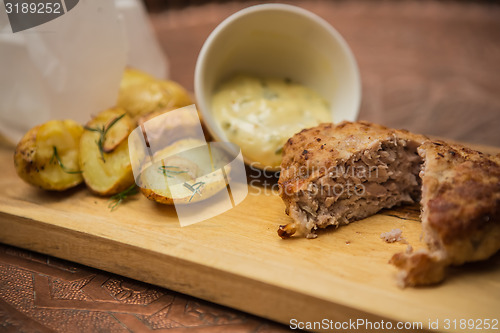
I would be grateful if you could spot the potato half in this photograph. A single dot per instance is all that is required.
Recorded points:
(180, 174)
(104, 157)
(47, 155)
(141, 94)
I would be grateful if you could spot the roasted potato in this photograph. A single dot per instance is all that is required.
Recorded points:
(132, 76)
(182, 173)
(141, 94)
(165, 127)
(162, 129)
(183, 122)
(104, 157)
(47, 156)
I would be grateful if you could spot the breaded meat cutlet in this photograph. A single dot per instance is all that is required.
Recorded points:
(336, 174)
(460, 212)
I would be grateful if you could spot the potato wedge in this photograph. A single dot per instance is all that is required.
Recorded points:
(104, 157)
(117, 133)
(163, 128)
(47, 156)
(141, 94)
(180, 174)
(166, 129)
(190, 191)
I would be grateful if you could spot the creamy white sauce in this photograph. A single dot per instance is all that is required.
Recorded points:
(260, 114)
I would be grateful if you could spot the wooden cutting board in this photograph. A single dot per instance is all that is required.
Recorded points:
(237, 259)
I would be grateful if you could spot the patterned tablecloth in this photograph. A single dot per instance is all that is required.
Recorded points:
(39, 293)
(432, 67)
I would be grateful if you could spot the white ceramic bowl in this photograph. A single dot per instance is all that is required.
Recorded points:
(283, 41)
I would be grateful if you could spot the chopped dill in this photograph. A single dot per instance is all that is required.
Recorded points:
(269, 94)
(118, 198)
(102, 134)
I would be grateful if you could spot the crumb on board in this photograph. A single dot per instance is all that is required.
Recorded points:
(393, 236)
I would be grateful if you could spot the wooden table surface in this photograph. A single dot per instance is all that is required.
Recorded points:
(431, 67)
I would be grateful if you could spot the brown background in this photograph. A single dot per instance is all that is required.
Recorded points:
(432, 67)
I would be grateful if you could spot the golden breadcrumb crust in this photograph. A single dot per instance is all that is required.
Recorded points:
(460, 192)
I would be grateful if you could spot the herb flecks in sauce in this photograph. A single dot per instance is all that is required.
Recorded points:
(260, 114)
